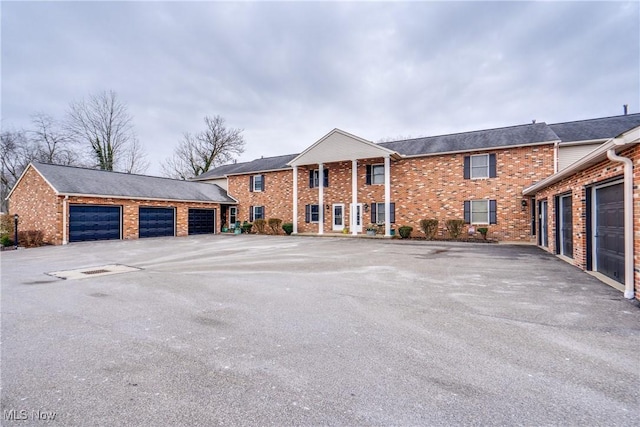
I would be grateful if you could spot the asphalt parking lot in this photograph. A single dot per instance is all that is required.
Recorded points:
(259, 330)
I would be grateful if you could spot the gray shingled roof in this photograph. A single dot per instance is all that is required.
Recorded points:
(602, 128)
(258, 165)
(74, 180)
(476, 140)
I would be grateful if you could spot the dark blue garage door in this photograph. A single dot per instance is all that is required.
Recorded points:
(610, 231)
(202, 221)
(155, 222)
(87, 222)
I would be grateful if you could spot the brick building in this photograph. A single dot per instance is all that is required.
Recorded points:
(550, 184)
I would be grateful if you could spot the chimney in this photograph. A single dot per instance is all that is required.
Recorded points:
(533, 121)
(625, 107)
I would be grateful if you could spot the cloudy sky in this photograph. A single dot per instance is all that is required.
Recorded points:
(289, 72)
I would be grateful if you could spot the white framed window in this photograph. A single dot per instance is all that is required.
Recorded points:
(312, 213)
(258, 212)
(377, 174)
(480, 212)
(378, 214)
(258, 183)
(480, 166)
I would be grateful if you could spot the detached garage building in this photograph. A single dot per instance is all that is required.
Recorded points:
(71, 204)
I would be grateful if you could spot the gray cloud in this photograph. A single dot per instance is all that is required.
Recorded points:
(289, 72)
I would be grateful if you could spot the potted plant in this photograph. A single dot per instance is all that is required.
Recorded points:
(372, 229)
(483, 231)
(345, 230)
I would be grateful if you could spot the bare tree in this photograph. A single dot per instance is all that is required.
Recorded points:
(196, 154)
(135, 159)
(54, 144)
(16, 152)
(104, 124)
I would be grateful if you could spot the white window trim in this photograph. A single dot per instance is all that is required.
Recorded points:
(488, 170)
(311, 220)
(316, 178)
(261, 184)
(488, 219)
(373, 175)
(254, 212)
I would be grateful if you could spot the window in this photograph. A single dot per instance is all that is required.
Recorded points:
(312, 213)
(480, 212)
(480, 166)
(256, 183)
(233, 212)
(378, 213)
(375, 174)
(314, 178)
(256, 212)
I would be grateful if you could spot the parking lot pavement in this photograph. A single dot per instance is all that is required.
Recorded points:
(259, 330)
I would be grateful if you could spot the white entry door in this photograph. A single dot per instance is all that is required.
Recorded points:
(338, 217)
(356, 211)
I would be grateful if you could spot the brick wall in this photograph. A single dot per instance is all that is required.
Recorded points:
(577, 185)
(41, 209)
(424, 187)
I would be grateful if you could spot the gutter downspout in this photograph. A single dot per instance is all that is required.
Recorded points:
(628, 221)
(65, 203)
(556, 156)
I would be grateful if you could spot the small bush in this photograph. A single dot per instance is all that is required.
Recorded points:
(405, 231)
(454, 227)
(260, 224)
(275, 224)
(31, 238)
(429, 227)
(246, 227)
(6, 241)
(6, 225)
(288, 228)
(483, 231)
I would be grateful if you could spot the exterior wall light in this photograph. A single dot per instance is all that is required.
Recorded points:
(366, 207)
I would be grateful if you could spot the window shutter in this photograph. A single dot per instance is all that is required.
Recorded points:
(467, 212)
(492, 166)
(264, 212)
(467, 167)
(326, 177)
(374, 216)
(493, 215)
(251, 183)
(392, 214)
(310, 179)
(263, 184)
(307, 213)
(250, 213)
(368, 174)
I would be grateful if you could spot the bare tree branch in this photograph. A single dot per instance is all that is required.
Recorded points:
(196, 154)
(53, 142)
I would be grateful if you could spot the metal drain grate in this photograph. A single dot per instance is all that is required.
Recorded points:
(95, 271)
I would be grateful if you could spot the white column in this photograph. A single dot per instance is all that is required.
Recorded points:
(295, 200)
(320, 199)
(354, 197)
(65, 228)
(387, 196)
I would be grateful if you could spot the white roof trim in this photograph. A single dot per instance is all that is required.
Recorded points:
(502, 147)
(24, 172)
(599, 154)
(369, 150)
(104, 196)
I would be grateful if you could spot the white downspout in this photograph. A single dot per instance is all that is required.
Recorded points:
(65, 203)
(556, 156)
(628, 221)
(295, 200)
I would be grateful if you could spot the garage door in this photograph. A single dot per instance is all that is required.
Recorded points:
(156, 222)
(88, 222)
(202, 221)
(609, 231)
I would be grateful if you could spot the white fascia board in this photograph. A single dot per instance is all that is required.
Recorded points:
(156, 199)
(257, 171)
(24, 172)
(502, 147)
(375, 148)
(584, 142)
(599, 154)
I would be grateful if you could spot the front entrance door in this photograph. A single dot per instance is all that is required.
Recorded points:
(609, 231)
(338, 217)
(356, 211)
(565, 226)
(543, 236)
(232, 217)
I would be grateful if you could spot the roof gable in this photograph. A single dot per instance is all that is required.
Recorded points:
(338, 146)
(68, 180)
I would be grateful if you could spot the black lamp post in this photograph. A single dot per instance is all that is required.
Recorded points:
(15, 230)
